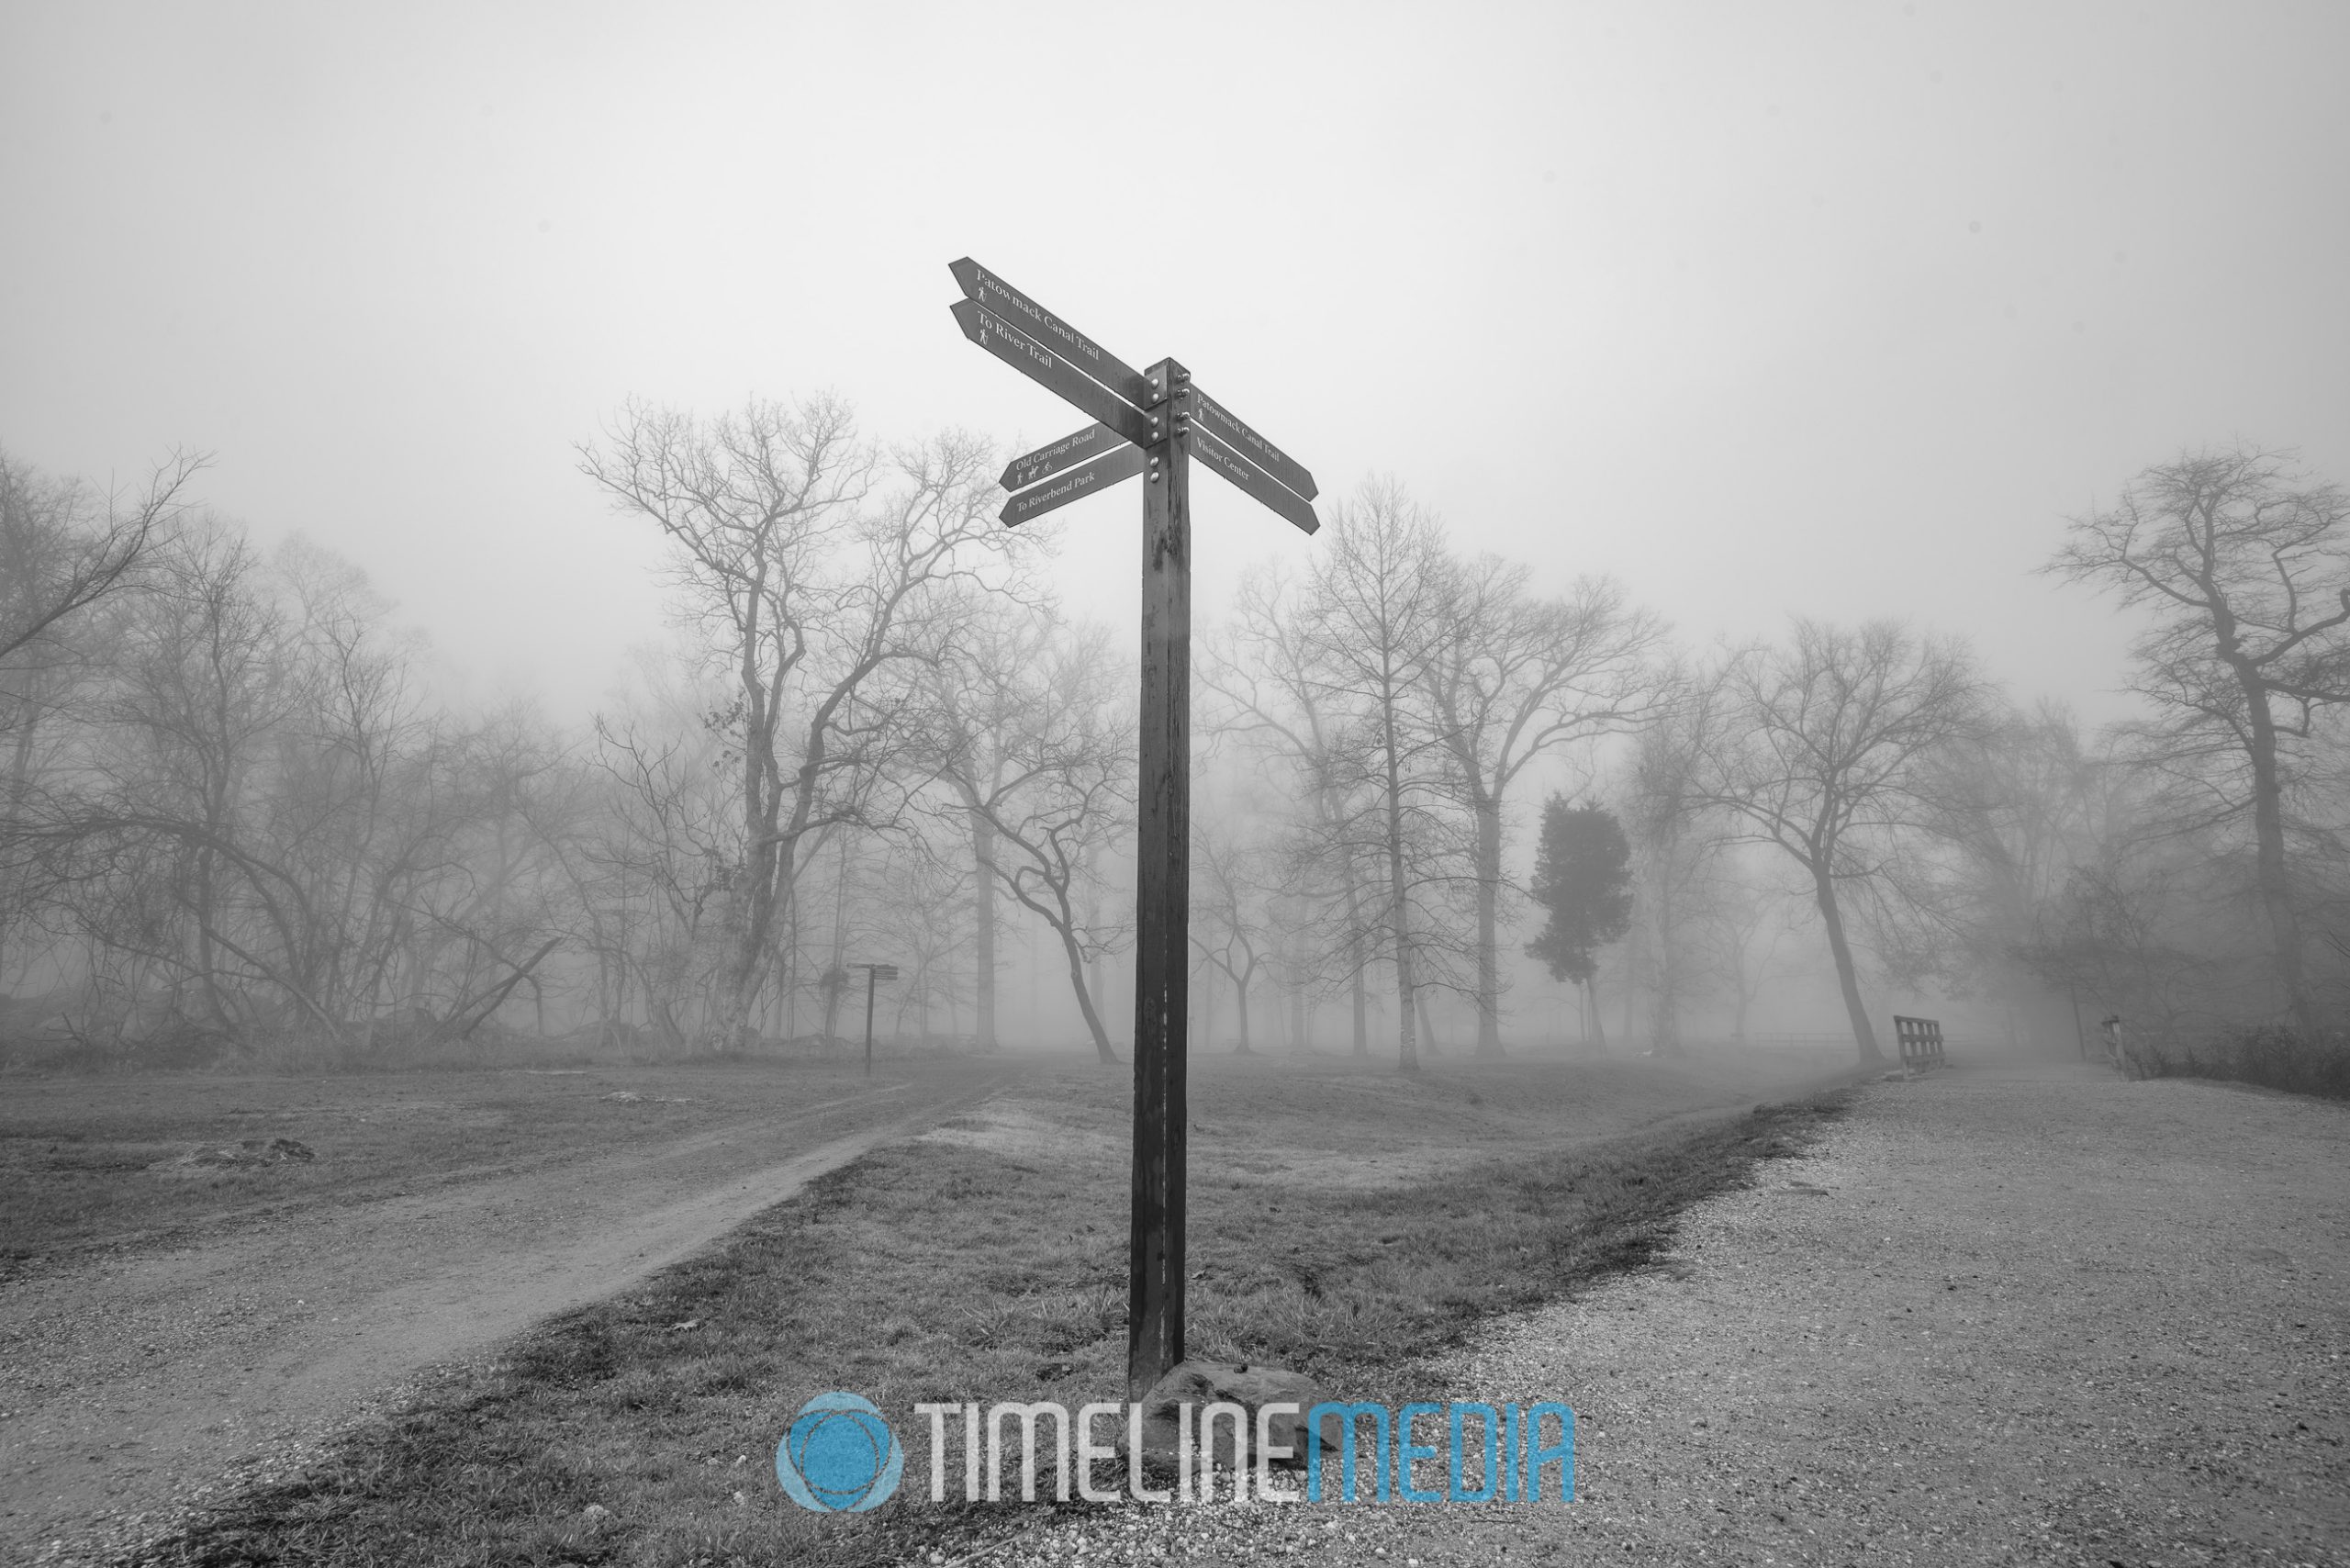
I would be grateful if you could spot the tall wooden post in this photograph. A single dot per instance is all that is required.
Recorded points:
(1162, 893)
(1143, 424)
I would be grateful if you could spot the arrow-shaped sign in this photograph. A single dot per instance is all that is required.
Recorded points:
(1254, 447)
(1078, 483)
(1247, 477)
(1048, 459)
(1051, 372)
(984, 287)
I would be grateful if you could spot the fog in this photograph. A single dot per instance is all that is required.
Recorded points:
(1827, 312)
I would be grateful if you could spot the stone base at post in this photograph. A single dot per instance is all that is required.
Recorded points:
(1246, 1385)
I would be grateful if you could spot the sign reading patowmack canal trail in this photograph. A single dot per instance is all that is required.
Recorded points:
(982, 287)
(1148, 422)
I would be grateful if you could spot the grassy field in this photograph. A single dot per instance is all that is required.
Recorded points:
(97, 1162)
(1344, 1221)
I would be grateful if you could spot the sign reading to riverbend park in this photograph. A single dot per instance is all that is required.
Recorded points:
(1147, 423)
(1062, 488)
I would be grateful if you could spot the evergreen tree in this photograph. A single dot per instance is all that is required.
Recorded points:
(1583, 882)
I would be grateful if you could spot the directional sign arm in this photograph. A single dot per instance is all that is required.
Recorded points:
(985, 288)
(1245, 476)
(1058, 491)
(1249, 445)
(1051, 372)
(1050, 459)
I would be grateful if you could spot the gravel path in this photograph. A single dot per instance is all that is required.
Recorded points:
(2033, 1316)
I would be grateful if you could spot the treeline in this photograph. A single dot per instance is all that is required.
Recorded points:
(236, 815)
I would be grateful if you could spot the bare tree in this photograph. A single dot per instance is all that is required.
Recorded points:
(1516, 678)
(927, 892)
(1231, 915)
(66, 554)
(1674, 869)
(208, 680)
(2018, 808)
(2150, 925)
(811, 570)
(661, 860)
(1820, 745)
(1742, 930)
(1028, 728)
(1264, 670)
(61, 552)
(1373, 624)
(266, 834)
(2245, 567)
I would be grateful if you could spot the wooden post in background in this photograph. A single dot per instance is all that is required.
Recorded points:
(1163, 894)
(872, 980)
(873, 973)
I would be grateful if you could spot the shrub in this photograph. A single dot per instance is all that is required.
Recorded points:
(2273, 1055)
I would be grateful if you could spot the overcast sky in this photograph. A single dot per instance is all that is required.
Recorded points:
(1831, 310)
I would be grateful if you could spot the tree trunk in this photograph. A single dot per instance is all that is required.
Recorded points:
(836, 987)
(208, 962)
(730, 1013)
(1599, 1023)
(1407, 1051)
(1084, 996)
(763, 883)
(20, 787)
(836, 979)
(983, 917)
(1847, 974)
(1427, 1025)
(1407, 1045)
(2276, 887)
(1240, 999)
(1489, 889)
(1665, 1016)
(1356, 989)
(789, 980)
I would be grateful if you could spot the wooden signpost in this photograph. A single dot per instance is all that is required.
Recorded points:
(1150, 422)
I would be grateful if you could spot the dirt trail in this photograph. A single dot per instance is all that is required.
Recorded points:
(134, 1384)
